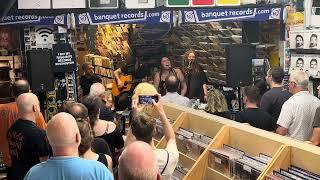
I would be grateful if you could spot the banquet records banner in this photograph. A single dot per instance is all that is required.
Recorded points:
(32, 19)
(134, 16)
(232, 14)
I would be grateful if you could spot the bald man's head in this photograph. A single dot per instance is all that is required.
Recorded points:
(138, 162)
(63, 131)
(19, 87)
(28, 103)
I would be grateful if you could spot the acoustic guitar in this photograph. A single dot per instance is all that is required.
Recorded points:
(127, 81)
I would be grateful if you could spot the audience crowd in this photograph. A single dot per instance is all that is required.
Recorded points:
(83, 141)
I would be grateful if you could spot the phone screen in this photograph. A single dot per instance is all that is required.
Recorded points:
(143, 99)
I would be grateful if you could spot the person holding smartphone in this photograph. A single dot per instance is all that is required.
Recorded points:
(142, 127)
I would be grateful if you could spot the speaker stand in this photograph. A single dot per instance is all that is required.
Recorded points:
(239, 98)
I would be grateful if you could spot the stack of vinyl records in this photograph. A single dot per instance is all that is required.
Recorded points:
(293, 172)
(191, 143)
(236, 163)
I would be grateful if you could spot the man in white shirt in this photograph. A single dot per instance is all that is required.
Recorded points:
(297, 113)
(172, 96)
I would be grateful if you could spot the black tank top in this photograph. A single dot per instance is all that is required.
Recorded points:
(102, 158)
(162, 85)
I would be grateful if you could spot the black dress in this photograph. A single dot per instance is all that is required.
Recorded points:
(102, 158)
(196, 78)
(114, 140)
(99, 145)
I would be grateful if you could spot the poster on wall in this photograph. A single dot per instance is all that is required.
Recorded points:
(312, 39)
(297, 40)
(8, 38)
(228, 2)
(311, 63)
(298, 63)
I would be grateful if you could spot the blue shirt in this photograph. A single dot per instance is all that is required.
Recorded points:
(69, 168)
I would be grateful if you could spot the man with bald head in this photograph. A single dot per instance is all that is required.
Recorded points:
(9, 114)
(138, 162)
(64, 137)
(172, 95)
(28, 144)
(98, 90)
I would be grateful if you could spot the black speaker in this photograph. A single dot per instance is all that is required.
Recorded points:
(239, 64)
(250, 32)
(40, 74)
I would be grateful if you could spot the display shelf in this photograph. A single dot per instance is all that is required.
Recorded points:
(173, 115)
(196, 124)
(306, 157)
(252, 144)
(253, 141)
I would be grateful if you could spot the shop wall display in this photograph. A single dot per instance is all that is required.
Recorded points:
(279, 152)
(298, 62)
(178, 3)
(297, 40)
(311, 63)
(306, 39)
(228, 2)
(196, 3)
(8, 38)
(312, 39)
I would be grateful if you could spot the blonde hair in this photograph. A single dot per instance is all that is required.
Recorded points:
(185, 57)
(148, 90)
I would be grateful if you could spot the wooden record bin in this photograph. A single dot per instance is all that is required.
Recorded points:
(304, 156)
(252, 143)
(172, 114)
(197, 124)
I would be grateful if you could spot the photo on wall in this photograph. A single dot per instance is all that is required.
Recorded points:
(297, 40)
(312, 39)
(298, 62)
(312, 65)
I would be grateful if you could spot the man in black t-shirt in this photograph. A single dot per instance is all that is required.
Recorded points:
(252, 114)
(272, 100)
(88, 78)
(139, 71)
(28, 145)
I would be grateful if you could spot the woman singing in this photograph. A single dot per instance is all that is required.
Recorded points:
(195, 77)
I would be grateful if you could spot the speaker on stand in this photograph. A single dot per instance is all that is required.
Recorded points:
(239, 66)
(40, 74)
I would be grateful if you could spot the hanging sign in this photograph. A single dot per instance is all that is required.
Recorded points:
(64, 58)
(234, 14)
(198, 3)
(132, 16)
(178, 3)
(228, 2)
(32, 19)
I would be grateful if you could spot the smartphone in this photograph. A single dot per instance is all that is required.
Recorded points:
(143, 99)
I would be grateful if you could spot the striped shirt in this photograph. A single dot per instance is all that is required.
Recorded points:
(297, 115)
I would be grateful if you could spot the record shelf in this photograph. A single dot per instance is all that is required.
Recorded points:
(283, 151)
